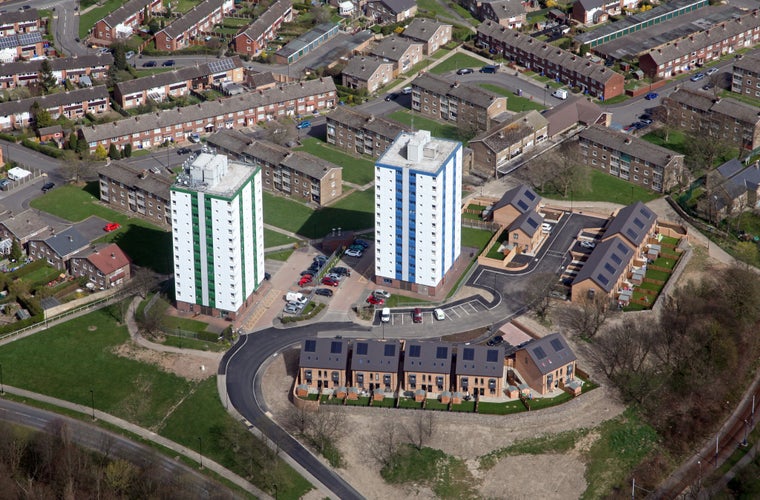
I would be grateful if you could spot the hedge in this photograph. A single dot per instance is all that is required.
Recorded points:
(46, 150)
(21, 324)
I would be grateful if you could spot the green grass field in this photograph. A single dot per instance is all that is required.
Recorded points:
(352, 212)
(89, 18)
(446, 475)
(477, 238)
(281, 255)
(437, 129)
(274, 238)
(604, 187)
(457, 61)
(676, 140)
(356, 170)
(146, 244)
(515, 102)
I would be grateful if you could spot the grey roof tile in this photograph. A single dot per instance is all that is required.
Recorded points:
(628, 144)
(375, 355)
(325, 353)
(550, 353)
(441, 86)
(425, 356)
(480, 361)
(608, 260)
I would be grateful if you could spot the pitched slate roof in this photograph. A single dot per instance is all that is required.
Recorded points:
(514, 130)
(480, 361)
(632, 223)
(329, 353)
(606, 263)
(207, 109)
(375, 355)
(130, 176)
(392, 47)
(179, 75)
(750, 62)
(54, 100)
(67, 242)
(189, 19)
(527, 222)
(57, 64)
(542, 50)
(124, 12)
(441, 86)
(571, 112)
(737, 179)
(397, 6)
(359, 120)
(422, 29)
(265, 21)
(506, 9)
(27, 224)
(550, 353)
(628, 144)
(364, 67)
(19, 16)
(706, 103)
(430, 357)
(107, 258)
(522, 197)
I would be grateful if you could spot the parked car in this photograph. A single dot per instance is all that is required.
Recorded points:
(305, 279)
(588, 244)
(353, 253)
(168, 63)
(335, 276)
(385, 315)
(329, 281)
(361, 242)
(291, 309)
(417, 315)
(326, 292)
(651, 96)
(464, 71)
(711, 71)
(184, 151)
(389, 97)
(375, 301)
(304, 124)
(406, 90)
(130, 54)
(111, 226)
(47, 186)
(697, 77)
(150, 64)
(546, 228)
(194, 137)
(439, 314)
(4, 183)
(708, 86)
(383, 294)
(496, 340)
(343, 271)
(560, 94)
(648, 121)
(491, 68)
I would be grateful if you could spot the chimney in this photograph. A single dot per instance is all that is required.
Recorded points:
(70, 238)
(628, 140)
(113, 255)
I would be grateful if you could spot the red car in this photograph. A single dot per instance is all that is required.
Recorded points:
(111, 226)
(375, 301)
(305, 280)
(329, 281)
(417, 315)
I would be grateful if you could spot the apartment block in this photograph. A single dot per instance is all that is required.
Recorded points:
(745, 78)
(553, 62)
(418, 184)
(366, 72)
(631, 159)
(468, 106)
(70, 104)
(140, 192)
(217, 236)
(358, 132)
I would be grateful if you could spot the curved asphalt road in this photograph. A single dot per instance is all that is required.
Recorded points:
(241, 365)
(114, 445)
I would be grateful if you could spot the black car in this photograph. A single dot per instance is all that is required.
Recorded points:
(184, 151)
(324, 291)
(361, 243)
(169, 62)
(497, 340)
(341, 271)
(149, 64)
(464, 71)
(47, 186)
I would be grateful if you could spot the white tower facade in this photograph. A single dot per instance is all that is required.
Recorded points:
(218, 236)
(418, 197)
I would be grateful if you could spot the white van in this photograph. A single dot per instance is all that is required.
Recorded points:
(406, 90)
(560, 94)
(385, 315)
(294, 297)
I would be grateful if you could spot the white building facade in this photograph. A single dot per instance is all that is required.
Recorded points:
(218, 236)
(418, 194)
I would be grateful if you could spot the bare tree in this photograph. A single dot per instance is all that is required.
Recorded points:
(539, 171)
(142, 281)
(298, 419)
(422, 428)
(587, 317)
(386, 443)
(324, 428)
(538, 293)
(281, 131)
(77, 169)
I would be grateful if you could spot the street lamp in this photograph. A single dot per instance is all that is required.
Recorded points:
(546, 89)
(2, 387)
(92, 401)
(200, 451)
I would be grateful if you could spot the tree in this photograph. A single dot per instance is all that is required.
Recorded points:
(41, 116)
(281, 131)
(421, 429)
(16, 252)
(113, 152)
(320, 14)
(100, 152)
(154, 26)
(73, 141)
(46, 76)
(82, 148)
(120, 475)
(127, 150)
(77, 169)
(704, 149)
(142, 281)
(386, 444)
(586, 318)
(538, 293)
(119, 55)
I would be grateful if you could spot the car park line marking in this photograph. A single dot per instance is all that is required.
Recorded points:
(452, 311)
(475, 309)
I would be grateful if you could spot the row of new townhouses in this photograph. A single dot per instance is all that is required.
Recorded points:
(432, 369)
(553, 62)
(174, 125)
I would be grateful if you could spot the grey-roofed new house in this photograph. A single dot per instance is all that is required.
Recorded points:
(375, 355)
(67, 242)
(521, 197)
(428, 357)
(324, 353)
(528, 222)
(480, 360)
(606, 264)
(633, 222)
(192, 17)
(550, 353)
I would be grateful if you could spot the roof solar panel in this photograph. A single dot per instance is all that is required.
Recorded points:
(603, 279)
(530, 195)
(414, 351)
(336, 347)
(361, 348)
(221, 65)
(310, 346)
(539, 352)
(557, 345)
(390, 350)
(616, 258)
(532, 222)
(638, 223)
(608, 267)
(468, 354)
(622, 247)
(442, 352)
(522, 205)
(631, 233)
(492, 355)
(646, 212)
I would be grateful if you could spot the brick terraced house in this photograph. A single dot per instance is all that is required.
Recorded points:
(70, 104)
(146, 131)
(427, 367)
(374, 365)
(23, 45)
(479, 370)
(122, 22)
(23, 73)
(324, 363)
(553, 62)
(254, 39)
(20, 21)
(194, 23)
(105, 265)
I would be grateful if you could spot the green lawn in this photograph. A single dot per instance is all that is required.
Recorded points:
(433, 7)
(88, 19)
(202, 415)
(281, 255)
(437, 129)
(274, 238)
(69, 360)
(434, 404)
(188, 343)
(676, 140)
(147, 245)
(476, 238)
(356, 170)
(455, 62)
(352, 212)
(396, 300)
(446, 475)
(604, 187)
(515, 102)
(753, 101)
(186, 324)
(501, 408)
(559, 443)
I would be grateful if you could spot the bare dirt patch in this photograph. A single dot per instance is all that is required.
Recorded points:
(565, 481)
(183, 365)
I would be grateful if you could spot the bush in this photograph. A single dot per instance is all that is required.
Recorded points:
(46, 150)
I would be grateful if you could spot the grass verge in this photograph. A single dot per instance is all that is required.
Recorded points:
(455, 62)
(420, 122)
(604, 187)
(356, 170)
